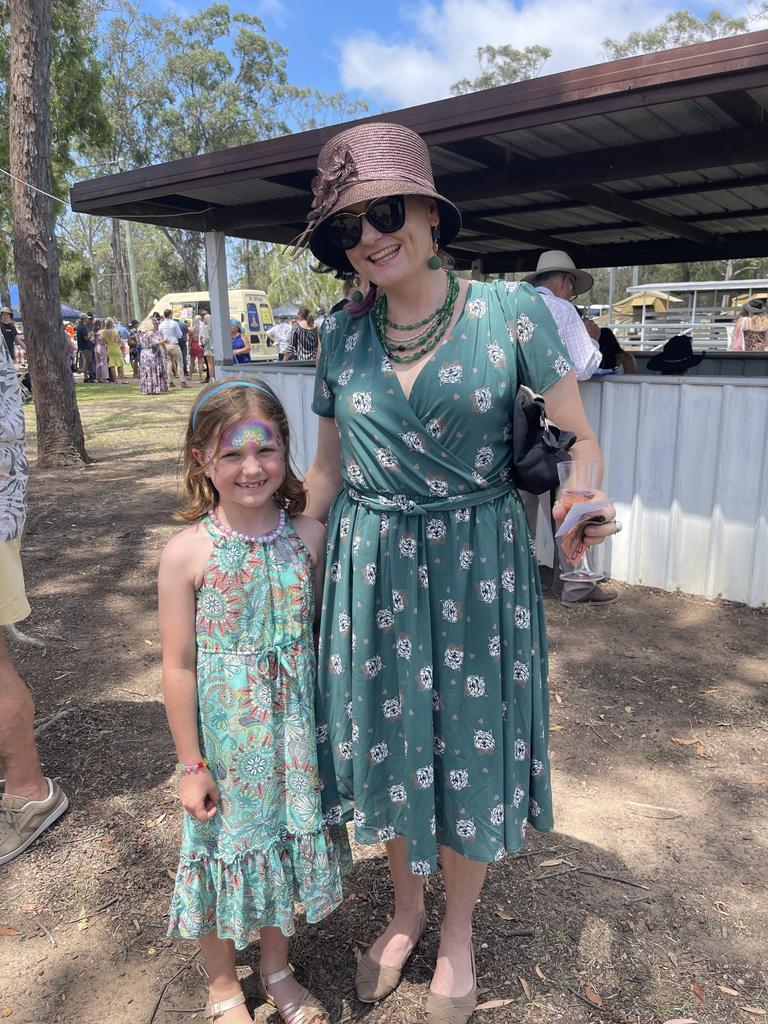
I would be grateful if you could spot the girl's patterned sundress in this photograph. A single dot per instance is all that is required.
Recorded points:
(267, 845)
(432, 707)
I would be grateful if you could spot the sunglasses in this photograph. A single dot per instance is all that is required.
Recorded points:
(344, 230)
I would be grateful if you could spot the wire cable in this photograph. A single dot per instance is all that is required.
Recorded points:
(34, 187)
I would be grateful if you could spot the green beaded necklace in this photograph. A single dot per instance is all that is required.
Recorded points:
(408, 350)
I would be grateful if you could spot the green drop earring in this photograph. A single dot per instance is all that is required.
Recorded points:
(434, 262)
(356, 296)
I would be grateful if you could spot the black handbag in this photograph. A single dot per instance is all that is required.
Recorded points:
(538, 445)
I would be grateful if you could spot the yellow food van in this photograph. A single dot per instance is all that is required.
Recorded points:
(249, 306)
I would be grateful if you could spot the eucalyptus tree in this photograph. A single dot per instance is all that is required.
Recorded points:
(48, 117)
(183, 86)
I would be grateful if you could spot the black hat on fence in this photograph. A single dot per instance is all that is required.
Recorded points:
(676, 356)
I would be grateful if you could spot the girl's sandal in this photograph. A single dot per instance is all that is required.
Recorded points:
(304, 1010)
(215, 1010)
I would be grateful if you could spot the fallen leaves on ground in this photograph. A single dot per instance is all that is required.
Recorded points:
(525, 987)
(594, 997)
(695, 744)
(755, 1011)
(698, 991)
(728, 991)
(8, 931)
(493, 1004)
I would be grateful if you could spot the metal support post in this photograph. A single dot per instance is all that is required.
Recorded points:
(216, 263)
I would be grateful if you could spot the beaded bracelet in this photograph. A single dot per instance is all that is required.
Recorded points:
(191, 769)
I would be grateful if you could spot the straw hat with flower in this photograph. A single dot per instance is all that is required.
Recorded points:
(367, 162)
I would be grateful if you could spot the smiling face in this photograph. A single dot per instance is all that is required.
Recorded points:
(385, 259)
(248, 466)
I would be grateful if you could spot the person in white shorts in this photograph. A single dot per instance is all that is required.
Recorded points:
(31, 801)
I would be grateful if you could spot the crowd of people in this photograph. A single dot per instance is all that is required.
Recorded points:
(165, 351)
(162, 353)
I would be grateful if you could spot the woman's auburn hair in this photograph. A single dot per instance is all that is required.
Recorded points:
(209, 419)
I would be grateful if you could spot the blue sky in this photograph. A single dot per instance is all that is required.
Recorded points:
(394, 54)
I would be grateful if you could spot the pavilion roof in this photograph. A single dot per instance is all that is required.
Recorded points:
(659, 158)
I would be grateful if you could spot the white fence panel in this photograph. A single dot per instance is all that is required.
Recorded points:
(686, 463)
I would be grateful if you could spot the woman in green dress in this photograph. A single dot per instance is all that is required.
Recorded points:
(432, 706)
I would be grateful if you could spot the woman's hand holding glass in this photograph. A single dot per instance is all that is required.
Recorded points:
(578, 483)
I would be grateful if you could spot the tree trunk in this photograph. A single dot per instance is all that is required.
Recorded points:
(249, 281)
(685, 271)
(5, 293)
(92, 263)
(121, 272)
(59, 431)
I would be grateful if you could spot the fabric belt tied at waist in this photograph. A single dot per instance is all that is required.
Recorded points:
(263, 655)
(419, 505)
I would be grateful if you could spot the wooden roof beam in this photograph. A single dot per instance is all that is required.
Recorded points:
(555, 174)
(605, 200)
(742, 108)
(483, 226)
(675, 250)
(692, 152)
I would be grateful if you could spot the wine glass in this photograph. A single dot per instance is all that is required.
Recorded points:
(578, 482)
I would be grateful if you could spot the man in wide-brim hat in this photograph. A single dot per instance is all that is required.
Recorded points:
(677, 356)
(558, 280)
(555, 262)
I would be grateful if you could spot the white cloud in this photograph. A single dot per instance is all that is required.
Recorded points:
(438, 43)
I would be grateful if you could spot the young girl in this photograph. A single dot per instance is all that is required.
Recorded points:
(237, 607)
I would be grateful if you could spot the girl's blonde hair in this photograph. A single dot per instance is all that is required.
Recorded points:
(213, 414)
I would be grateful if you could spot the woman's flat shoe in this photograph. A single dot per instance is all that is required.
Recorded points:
(215, 1010)
(373, 981)
(445, 1010)
(304, 1010)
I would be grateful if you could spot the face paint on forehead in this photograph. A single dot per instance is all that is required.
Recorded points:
(250, 431)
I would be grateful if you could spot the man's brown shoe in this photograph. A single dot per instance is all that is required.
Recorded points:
(598, 595)
(22, 820)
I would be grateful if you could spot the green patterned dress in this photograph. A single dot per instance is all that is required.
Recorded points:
(267, 845)
(432, 705)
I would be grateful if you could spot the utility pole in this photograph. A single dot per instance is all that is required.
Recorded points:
(132, 272)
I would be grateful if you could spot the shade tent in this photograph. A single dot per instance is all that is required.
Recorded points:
(658, 158)
(67, 312)
(651, 300)
(287, 310)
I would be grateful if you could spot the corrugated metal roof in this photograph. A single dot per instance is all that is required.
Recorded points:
(621, 162)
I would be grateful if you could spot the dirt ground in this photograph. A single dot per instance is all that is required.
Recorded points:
(649, 902)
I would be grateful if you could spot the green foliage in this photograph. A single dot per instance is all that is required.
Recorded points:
(503, 65)
(678, 29)
(654, 273)
(181, 86)
(268, 266)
